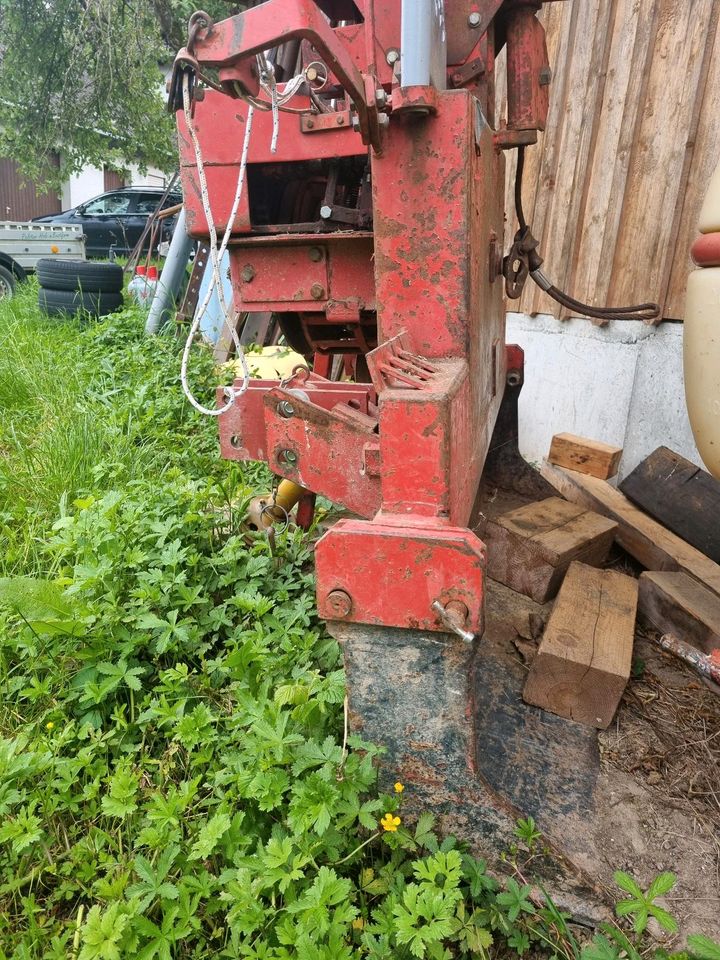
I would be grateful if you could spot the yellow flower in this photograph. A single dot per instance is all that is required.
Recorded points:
(390, 823)
(399, 787)
(358, 923)
(49, 725)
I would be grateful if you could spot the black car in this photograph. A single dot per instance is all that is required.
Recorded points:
(113, 222)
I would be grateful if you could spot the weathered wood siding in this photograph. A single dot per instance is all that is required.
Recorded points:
(614, 186)
(20, 198)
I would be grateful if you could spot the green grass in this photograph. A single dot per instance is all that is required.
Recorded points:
(173, 777)
(85, 407)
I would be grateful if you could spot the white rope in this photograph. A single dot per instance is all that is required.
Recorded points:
(266, 74)
(278, 98)
(215, 259)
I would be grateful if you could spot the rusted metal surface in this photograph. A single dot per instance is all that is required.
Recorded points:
(706, 664)
(394, 572)
(373, 231)
(461, 756)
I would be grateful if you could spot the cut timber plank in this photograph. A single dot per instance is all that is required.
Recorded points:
(586, 456)
(529, 549)
(644, 538)
(684, 498)
(584, 659)
(675, 603)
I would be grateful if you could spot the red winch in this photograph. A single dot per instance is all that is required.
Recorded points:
(374, 231)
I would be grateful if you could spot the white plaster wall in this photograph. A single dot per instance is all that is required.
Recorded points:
(151, 178)
(90, 182)
(622, 384)
(83, 186)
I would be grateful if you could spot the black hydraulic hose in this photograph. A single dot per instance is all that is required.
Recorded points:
(647, 312)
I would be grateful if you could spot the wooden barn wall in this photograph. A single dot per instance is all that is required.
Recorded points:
(613, 188)
(19, 197)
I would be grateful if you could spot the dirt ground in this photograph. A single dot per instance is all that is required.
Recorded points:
(656, 799)
(665, 740)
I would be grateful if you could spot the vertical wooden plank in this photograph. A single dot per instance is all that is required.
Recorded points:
(657, 164)
(544, 157)
(614, 186)
(561, 226)
(705, 147)
(631, 31)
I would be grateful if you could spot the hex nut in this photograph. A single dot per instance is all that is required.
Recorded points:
(392, 56)
(317, 292)
(340, 604)
(316, 254)
(325, 211)
(248, 272)
(474, 19)
(286, 409)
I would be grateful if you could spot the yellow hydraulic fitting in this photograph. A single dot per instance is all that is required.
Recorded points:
(264, 511)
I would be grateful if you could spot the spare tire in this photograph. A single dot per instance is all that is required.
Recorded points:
(79, 275)
(96, 303)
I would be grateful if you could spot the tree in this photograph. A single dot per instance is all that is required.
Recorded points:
(83, 78)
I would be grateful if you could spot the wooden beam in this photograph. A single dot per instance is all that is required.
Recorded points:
(682, 496)
(584, 660)
(530, 549)
(586, 456)
(644, 538)
(676, 603)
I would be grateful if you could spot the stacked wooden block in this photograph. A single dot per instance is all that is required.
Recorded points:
(554, 547)
(557, 547)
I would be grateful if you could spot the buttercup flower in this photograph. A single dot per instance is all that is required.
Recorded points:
(399, 787)
(49, 725)
(390, 823)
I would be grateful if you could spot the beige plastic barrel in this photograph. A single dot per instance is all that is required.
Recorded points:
(710, 212)
(701, 359)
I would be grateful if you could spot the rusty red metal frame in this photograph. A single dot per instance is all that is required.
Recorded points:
(405, 452)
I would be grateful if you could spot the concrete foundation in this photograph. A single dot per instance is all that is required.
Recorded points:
(622, 384)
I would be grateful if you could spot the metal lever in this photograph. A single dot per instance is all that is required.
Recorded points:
(453, 616)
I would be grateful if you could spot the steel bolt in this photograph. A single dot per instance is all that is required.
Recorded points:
(317, 291)
(474, 19)
(340, 120)
(309, 123)
(316, 254)
(340, 604)
(384, 120)
(288, 456)
(235, 441)
(545, 77)
(356, 123)
(392, 56)
(248, 272)
(513, 379)
(325, 212)
(380, 98)
(286, 409)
